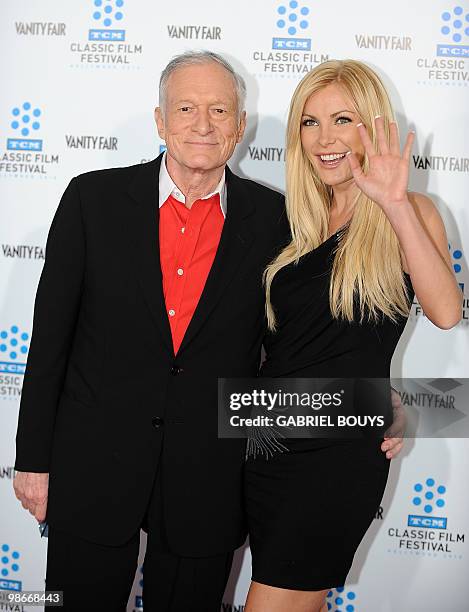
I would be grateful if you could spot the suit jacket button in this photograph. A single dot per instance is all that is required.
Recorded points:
(175, 370)
(157, 421)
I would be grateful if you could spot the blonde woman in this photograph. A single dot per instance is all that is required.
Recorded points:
(337, 300)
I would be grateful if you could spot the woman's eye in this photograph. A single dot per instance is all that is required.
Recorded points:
(343, 120)
(309, 122)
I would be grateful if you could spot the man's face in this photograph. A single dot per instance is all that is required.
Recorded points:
(200, 122)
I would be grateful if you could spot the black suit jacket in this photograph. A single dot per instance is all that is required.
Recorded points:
(105, 401)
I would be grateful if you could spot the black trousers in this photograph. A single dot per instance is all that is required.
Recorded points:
(96, 577)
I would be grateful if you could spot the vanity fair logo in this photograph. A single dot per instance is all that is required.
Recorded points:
(95, 143)
(106, 44)
(382, 42)
(23, 251)
(39, 28)
(447, 63)
(194, 32)
(442, 163)
(290, 51)
(26, 153)
(271, 154)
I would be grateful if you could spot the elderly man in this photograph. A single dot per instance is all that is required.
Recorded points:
(151, 290)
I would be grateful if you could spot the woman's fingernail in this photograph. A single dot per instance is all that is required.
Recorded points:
(359, 124)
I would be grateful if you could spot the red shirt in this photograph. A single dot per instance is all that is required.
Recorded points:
(188, 243)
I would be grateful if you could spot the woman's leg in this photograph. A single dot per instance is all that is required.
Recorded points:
(264, 598)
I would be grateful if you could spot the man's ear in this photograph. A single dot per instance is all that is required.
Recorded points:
(159, 122)
(242, 126)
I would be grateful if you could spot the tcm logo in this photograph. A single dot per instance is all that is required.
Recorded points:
(430, 498)
(9, 566)
(25, 122)
(13, 346)
(291, 20)
(107, 13)
(339, 599)
(455, 29)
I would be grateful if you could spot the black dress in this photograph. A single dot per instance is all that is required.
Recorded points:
(309, 506)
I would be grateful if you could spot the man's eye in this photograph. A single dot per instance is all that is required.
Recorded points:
(220, 111)
(185, 108)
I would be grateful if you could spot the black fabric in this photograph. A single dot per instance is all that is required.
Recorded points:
(97, 577)
(101, 364)
(309, 507)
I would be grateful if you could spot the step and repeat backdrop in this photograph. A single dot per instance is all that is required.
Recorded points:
(79, 85)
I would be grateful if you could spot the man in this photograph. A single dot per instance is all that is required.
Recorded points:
(151, 290)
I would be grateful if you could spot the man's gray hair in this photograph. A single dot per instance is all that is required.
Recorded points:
(189, 58)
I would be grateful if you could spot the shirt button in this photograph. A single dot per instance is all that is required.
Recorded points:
(175, 370)
(157, 422)
(180, 271)
(171, 312)
(183, 230)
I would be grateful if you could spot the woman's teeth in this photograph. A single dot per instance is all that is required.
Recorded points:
(332, 156)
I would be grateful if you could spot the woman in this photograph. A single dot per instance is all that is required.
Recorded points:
(337, 300)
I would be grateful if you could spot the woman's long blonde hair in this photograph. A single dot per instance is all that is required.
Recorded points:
(367, 277)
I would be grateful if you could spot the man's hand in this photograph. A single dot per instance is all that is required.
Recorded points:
(31, 488)
(393, 440)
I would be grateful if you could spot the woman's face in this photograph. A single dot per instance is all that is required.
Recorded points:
(328, 131)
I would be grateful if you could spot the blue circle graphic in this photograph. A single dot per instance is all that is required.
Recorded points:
(445, 30)
(26, 118)
(15, 567)
(96, 15)
(416, 501)
(36, 112)
(5, 547)
(107, 21)
(440, 503)
(3, 334)
(281, 10)
(418, 487)
(292, 17)
(458, 10)
(3, 347)
(24, 336)
(98, 2)
(4, 572)
(24, 349)
(13, 355)
(350, 608)
(281, 23)
(35, 125)
(329, 606)
(339, 601)
(14, 342)
(26, 106)
(428, 495)
(428, 508)
(119, 3)
(118, 15)
(441, 489)
(457, 37)
(15, 125)
(329, 594)
(457, 254)
(430, 482)
(305, 11)
(303, 24)
(446, 16)
(291, 30)
(457, 23)
(108, 9)
(14, 329)
(340, 589)
(293, 4)
(351, 595)
(16, 112)
(5, 559)
(457, 268)
(15, 554)
(25, 131)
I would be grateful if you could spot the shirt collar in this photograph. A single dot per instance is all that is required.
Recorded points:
(167, 187)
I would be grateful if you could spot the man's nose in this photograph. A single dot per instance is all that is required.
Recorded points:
(202, 123)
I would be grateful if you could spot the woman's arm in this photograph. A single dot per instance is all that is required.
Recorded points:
(415, 220)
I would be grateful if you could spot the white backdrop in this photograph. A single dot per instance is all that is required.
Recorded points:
(79, 87)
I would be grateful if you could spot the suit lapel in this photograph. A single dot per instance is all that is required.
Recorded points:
(143, 227)
(235, 241)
